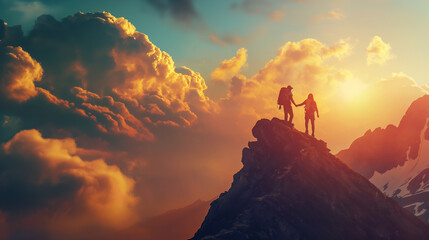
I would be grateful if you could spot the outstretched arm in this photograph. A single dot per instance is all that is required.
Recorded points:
(300, 104)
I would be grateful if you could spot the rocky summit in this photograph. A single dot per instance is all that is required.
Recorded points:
(291, 187)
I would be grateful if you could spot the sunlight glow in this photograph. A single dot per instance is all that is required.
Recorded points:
(351, 89)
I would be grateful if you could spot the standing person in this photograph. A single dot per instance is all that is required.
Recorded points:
(286, 99)
(310, 108)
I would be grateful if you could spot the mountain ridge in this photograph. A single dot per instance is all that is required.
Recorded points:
(291, 187)
(396, 159)
(383, 149)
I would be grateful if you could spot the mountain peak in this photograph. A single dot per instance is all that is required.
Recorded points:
(384, 149)
(395, 159)
(291, 187)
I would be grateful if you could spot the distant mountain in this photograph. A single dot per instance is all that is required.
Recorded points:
(396, 159)
(384, 149)
(178, 224)
(291, 187)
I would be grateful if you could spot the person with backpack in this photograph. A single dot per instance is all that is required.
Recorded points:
(310, 108)
(285, 99)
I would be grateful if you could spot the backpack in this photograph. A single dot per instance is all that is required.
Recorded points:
(283, 96)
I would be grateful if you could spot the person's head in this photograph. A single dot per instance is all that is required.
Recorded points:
(310, 96)
(290, 88)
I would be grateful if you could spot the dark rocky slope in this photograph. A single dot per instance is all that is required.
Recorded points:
(291, 187)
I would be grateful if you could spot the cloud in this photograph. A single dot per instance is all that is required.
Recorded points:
(226, 39)
(109, 115)
(115, 91)
(181, 10)
(229, 68)
(339, 50)
(397, 90)
(30, 10)
(378, 52)
(111, 79)
(2, 29)
(348, 105)
(18, 73)
(300, 64)
(21, 96)
(45, 177)
(253, 6)
(303, 63)
(276, 15)
(335, 14)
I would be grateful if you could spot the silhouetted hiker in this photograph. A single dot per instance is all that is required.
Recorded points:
(286, 99)
(310, 108)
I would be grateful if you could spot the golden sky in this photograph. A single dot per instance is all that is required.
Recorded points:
(97, 115)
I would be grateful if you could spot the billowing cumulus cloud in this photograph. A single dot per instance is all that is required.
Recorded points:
(229, 68)
(18, 72)
(303, 63)
(115, 91)
(378, 52)
(110, 77)
(46, 177)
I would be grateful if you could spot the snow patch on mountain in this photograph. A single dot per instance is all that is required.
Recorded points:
(396, 182)
(417, 208)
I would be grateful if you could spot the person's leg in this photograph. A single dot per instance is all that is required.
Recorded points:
(285, 111)
(306, 125)
(290, 115)
(312, 127)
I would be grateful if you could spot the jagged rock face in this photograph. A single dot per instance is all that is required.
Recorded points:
(396, 159)
(291, 187)
(384, 149)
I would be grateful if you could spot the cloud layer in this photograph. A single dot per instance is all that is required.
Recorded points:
(110, 77)
(378, 52)
(42, 176)
(182, 10)
(231, 67)
(18, 73)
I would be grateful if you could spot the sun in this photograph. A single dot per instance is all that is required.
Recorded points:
(351, 89)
